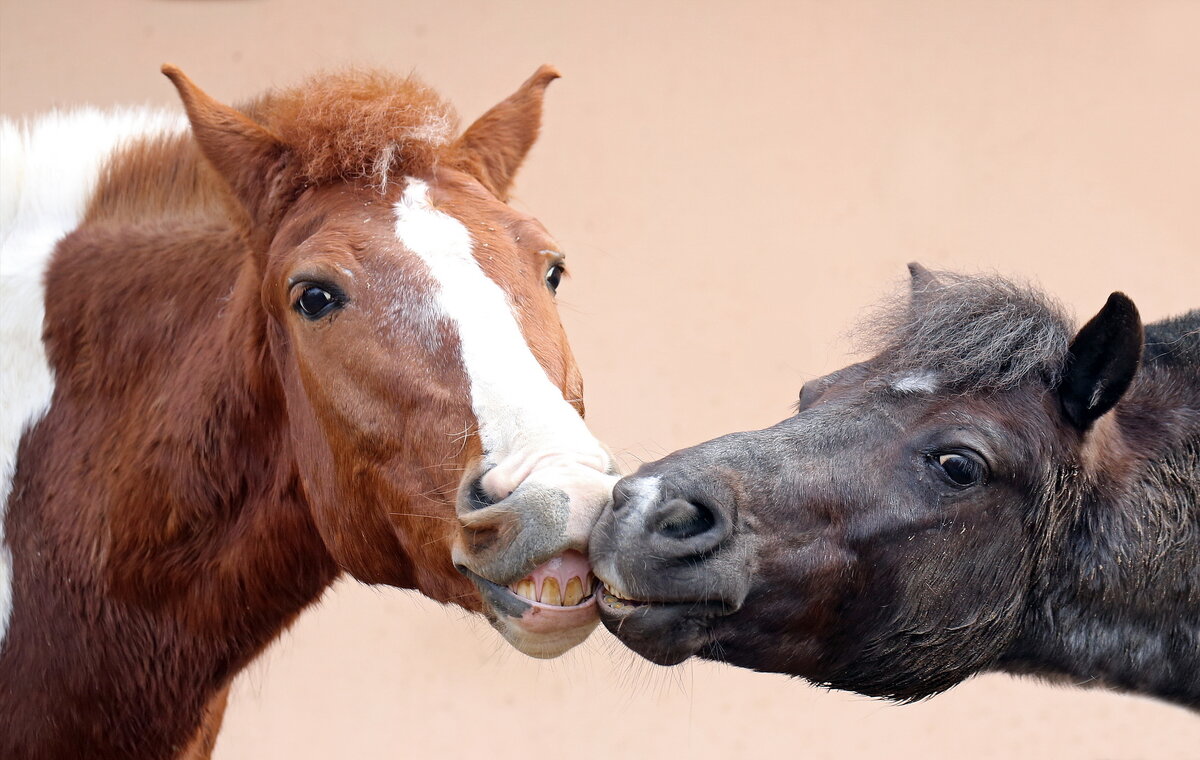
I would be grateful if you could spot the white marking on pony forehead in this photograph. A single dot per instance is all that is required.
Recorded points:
(48, 172)
(641, 492)
(918, 382)
(515, 404)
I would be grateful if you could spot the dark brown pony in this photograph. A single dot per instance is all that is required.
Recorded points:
(992, 491)
(252, 350)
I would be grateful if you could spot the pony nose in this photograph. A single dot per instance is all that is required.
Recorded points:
(679, 526)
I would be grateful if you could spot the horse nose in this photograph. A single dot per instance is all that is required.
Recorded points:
(475, 496)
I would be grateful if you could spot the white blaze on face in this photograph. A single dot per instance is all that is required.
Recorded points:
(525, 425)
(48, 172)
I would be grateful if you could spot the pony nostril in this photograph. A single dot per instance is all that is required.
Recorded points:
(679, 519)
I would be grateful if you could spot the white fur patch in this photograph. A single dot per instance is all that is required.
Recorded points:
(920, 382)
(519, 411)
(641, 492)
(48, 172)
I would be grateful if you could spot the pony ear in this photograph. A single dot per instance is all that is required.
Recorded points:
(922, 278)
(493, 148)
(249, 157)
(1102, 362)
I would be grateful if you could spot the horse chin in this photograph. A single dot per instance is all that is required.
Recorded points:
(534, 628)
(541, 637)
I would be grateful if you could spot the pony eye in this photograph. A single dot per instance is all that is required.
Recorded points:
(554, 276)
(315, 302)
(809, 393)
(963, 470)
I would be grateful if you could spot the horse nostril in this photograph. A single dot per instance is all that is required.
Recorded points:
(679, 519)
(476, 496)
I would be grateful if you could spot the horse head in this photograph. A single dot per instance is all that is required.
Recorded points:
(434, 409)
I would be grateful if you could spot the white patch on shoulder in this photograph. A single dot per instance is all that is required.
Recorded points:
(918, 382)
(517, 407)
(49, 169)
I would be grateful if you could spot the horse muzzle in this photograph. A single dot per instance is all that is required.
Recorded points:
(526, 551)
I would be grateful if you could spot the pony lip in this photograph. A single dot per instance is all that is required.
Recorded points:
(615, 603)
(666, 633)
(611, 600)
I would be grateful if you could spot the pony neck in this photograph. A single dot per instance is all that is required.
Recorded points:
(1120, 603)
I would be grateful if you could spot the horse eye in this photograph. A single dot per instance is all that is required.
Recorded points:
(315, 302)
(554, 276)
(961, 469)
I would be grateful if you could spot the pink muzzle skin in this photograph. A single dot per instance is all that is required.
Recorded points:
(549, 588)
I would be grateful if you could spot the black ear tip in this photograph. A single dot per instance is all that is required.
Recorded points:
(1122, 312)
(1104, 357)
(1120, 302)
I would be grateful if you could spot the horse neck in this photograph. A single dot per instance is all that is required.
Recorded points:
(220, 513)
(221, 484)
(157, 505)
(1118, 599)
(209, 465)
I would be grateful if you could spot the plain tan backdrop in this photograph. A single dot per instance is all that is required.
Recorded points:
(733, 183)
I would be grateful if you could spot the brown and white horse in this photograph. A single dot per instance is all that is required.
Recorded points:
(252, 350)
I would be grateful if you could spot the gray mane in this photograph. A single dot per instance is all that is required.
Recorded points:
(976, 333)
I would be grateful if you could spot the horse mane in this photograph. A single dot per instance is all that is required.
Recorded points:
(358, 124)
(344, 126)
(976, 333)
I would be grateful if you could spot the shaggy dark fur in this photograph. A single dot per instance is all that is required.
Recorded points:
(978, 333)
(1031, 506)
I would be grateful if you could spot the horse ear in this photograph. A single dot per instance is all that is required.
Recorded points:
(250, 159)
(922, 278)
(493, 148)
(1103, 359)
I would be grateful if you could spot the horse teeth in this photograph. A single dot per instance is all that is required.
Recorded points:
(574, 593)
(526, 589)
(550, 594)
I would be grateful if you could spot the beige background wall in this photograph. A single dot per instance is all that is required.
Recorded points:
(733, 183)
